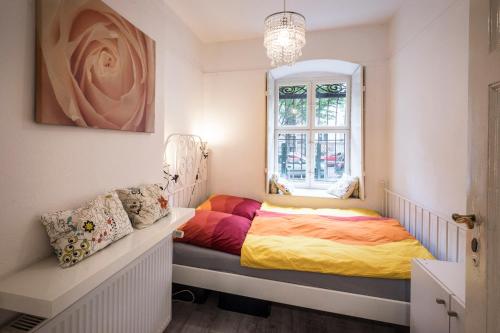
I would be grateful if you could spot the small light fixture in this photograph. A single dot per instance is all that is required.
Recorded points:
(284, 36)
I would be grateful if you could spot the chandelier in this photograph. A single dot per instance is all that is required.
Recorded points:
(284, 37)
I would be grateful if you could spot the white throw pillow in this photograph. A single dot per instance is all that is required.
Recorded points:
(344, 187)
(281, 185)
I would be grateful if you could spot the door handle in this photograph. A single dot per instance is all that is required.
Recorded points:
(469, 220)
(440, 301)
(452, 314)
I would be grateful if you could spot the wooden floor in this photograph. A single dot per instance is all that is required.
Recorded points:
(194, 318)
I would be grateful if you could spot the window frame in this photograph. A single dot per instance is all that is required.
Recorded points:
(333, 80)
(347, 162)
(292, 82)
(310, 129)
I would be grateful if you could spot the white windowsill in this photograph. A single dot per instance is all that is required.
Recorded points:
(313, 193)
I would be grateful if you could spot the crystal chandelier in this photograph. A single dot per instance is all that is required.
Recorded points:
(284, 37)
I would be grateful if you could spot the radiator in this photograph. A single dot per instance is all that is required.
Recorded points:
(134, 300)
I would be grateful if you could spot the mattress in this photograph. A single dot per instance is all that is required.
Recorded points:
(194, 256)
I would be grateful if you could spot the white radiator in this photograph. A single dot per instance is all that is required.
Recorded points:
(440, 235)
(134, 300)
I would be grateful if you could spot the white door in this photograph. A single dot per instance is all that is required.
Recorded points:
(483, 266)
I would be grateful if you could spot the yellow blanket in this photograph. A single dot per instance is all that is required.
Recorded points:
(319, 211)
(346, 244)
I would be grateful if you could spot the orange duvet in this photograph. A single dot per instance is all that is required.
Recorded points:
(365, 246)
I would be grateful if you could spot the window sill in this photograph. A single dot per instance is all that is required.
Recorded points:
(314, 193)
(310, 192)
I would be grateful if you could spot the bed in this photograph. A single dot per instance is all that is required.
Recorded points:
(380, 299)
(297, 279)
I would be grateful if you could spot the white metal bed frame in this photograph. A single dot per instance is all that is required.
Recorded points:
(444, 238)
(185, 170)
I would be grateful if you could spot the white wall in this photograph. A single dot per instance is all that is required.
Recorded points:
(236, 132)
(45, 168)
(235, 104)
(428, 102)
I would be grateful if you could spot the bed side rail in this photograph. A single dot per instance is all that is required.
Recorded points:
(440, 235)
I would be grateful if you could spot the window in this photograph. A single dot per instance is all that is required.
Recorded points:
(312, 130)
(315, 126)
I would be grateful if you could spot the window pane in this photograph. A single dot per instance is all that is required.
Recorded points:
(329, 156)
(331, 104)
(292, 160)
(293, 105)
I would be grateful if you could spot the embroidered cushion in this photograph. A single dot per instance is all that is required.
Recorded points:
(344, 187)
(145, 204)
(77, 234)
(216, 230)
(273, 189)
(231, 205)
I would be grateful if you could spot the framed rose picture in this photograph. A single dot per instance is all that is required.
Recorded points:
(94, 68)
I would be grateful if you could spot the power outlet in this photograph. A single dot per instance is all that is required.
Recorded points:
(178, 234)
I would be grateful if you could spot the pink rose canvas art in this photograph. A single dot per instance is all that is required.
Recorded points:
(94, 68)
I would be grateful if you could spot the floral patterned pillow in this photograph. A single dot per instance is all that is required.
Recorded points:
(77, 234)
(145, 204)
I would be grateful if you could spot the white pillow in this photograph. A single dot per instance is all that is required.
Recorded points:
(344, 187)
(282, 185)
(285, 186)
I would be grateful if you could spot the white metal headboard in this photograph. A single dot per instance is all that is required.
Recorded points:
(185, 170)
(440, 235)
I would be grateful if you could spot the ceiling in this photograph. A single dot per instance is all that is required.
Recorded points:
(224, 20)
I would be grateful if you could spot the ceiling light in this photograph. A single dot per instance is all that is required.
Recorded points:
(284, 36)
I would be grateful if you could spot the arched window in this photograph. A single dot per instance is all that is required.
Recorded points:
(315, 124)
